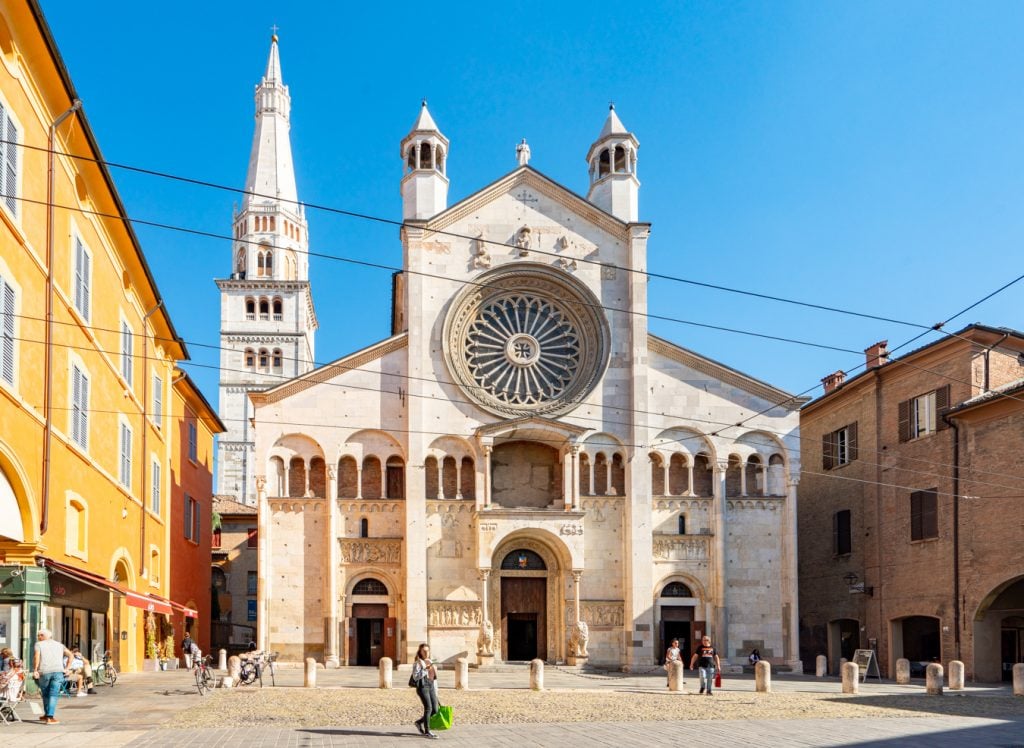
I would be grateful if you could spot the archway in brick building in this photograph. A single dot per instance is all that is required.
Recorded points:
(998, 632)
(916, 638)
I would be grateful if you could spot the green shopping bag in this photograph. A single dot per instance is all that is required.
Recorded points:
(441, 719)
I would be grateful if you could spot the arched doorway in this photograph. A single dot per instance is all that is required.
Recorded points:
(843, 641)
(999, 632)
(527, 599)
(677, 607)
(372, 632)
(121, 641)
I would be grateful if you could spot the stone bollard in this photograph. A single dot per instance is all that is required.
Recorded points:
(763, 677)
(675, 676)
(851, 677)
(310, 680)
(222, 660)
(821, 666)
(956, 676)
(227, 682)
(234, 667)
(1018, 679)
(902, 671)
(537, 675)
(385, 672)
(933, 679)
(462, 674)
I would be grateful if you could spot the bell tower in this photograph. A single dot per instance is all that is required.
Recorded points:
(268, 323)
(424, 152)
(614, 186)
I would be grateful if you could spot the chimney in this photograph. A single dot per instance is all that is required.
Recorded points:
(833, 380)
(877, 354)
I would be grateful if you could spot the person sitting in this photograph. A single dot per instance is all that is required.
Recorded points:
(12, 680)
(5, 658)
(755, 657)
(76, 671)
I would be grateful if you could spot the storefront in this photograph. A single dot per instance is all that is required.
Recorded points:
(77, 614)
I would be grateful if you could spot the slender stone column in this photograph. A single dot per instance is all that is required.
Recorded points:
(359, 479)
(264, 571)
(485, 639)
(720, 622)
(575, 476)
(286, 489)
(305, 474)
(743, 478)
(331, 575)
(666, 485)
(440, 479)
(487, 475)
(458, 478)
(593, 473)
(567, 480)
(689, 479)
(383, 478)
(790, 585)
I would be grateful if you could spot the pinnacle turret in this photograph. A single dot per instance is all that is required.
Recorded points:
(614, 186)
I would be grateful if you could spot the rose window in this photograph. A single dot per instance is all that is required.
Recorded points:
(526, 341)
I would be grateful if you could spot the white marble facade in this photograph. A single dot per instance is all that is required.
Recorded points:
(522, 469)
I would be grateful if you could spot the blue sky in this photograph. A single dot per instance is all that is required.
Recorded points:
(867, 156)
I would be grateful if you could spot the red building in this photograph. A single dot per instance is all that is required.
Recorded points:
(196, 423)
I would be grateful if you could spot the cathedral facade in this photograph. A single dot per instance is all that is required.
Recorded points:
(521, 469)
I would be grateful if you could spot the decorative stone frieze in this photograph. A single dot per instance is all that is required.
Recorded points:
(454, 615)
(371, 550)
(682, 548)
(598, 614)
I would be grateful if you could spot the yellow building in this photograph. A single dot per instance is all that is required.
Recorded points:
(86, 370)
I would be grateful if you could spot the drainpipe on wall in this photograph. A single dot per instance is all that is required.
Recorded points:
(956, 534)
(145, 457)
(44, 520)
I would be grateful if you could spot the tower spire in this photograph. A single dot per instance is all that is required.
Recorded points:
(271, 172)
(614, 186)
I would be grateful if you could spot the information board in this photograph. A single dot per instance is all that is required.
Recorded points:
(866, 661)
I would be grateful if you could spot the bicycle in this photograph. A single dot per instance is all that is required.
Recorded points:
(253, 667)
(203, 674)
(105, 671)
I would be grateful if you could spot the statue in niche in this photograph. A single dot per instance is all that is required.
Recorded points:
(524, 241)
(481, 257)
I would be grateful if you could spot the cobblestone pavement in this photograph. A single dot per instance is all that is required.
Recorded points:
(153, 709)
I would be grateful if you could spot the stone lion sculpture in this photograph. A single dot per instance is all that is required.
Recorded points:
(579, 639)
(485, 640)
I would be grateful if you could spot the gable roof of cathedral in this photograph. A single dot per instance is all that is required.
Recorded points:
(723, 373)
(331, 370)
(528, 176)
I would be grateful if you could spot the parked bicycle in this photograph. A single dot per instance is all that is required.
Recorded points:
(204, 674)
(254, 665)
(105, 672)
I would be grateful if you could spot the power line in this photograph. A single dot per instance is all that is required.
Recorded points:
(455, 235)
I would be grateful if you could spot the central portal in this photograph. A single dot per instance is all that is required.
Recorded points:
(524, 618)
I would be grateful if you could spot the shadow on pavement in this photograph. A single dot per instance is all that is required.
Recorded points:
(1002, 735)
(950, 704)
(359, 732)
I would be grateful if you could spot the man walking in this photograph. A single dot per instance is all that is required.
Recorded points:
(49, 671)
(705, 658)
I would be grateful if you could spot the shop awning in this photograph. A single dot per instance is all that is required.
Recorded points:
(152, 603)
(184, 609)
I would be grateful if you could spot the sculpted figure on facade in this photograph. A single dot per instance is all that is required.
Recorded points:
(485, 640)
(363, 552)
(579, 639)
(481, 257)
(524, 241)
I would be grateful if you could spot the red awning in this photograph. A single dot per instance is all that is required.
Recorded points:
(152, 603)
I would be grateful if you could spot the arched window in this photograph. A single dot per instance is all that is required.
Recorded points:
(348, 478)
(411, 160)
(395, 476)
(439, 158)
(277, 359)
(523, 560)
(278, 316)
(703, 476)
(364, 528)
(448, 478)
(468, 478)
(585, 488)
(426, 162)
(250, 358)
(603, 164)
(318, 477)
(676, 589)
(250, 309)
(620, 159)
(264, 359)
(430, 477)
(678, 476)
(618, 475)
(296, 478)
(371, 478)
(270, 262)
(273, 224)
(240, 262)
(682, 524)
(369, 587)
(754, 476)
(264, 309)
(600, 475)
(657, 474)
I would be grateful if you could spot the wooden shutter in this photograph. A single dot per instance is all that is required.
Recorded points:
(828, 447)
(835, 533)
(904, 421)
(86, 281)
(76, 404)
(188, 517)
(79, 282)
(941, 407)
(915, 515)
(929, 514)
(158, 400)
(11, 165)
(7, 334)
(851, 442)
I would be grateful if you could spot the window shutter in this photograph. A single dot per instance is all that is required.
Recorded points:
(158, 400)
(83, 412)
(851, 442)
(941, 407)
(188, 517)
(904, 421)
(835, 533)
(929, 514)
(7, 335)
(86, 278)
(76, 404)
(828, 447)
(915, 515)
(196, 515)
(79, 283)
(11, 165)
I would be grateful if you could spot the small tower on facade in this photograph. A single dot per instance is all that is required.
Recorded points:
(268, 324)
(425, 155)
(614, 186)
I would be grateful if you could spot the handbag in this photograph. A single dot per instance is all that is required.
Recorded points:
(718, 680)
(441, 719)
(412, 682)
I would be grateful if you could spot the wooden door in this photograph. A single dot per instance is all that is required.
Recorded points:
(524, 596)
(390, 637)
(352, 652)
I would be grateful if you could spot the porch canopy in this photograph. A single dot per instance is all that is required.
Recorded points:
(152, 603)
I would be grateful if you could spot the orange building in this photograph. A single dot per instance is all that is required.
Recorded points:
(195, 423)
(87, 359)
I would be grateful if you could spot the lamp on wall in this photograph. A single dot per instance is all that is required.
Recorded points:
(857, 587)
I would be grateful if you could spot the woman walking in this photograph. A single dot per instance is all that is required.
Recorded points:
(672, 654)
(424, 675)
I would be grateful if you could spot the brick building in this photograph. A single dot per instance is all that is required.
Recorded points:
(909, 542)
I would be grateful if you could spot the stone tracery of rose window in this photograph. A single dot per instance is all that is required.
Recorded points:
(526, 341)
